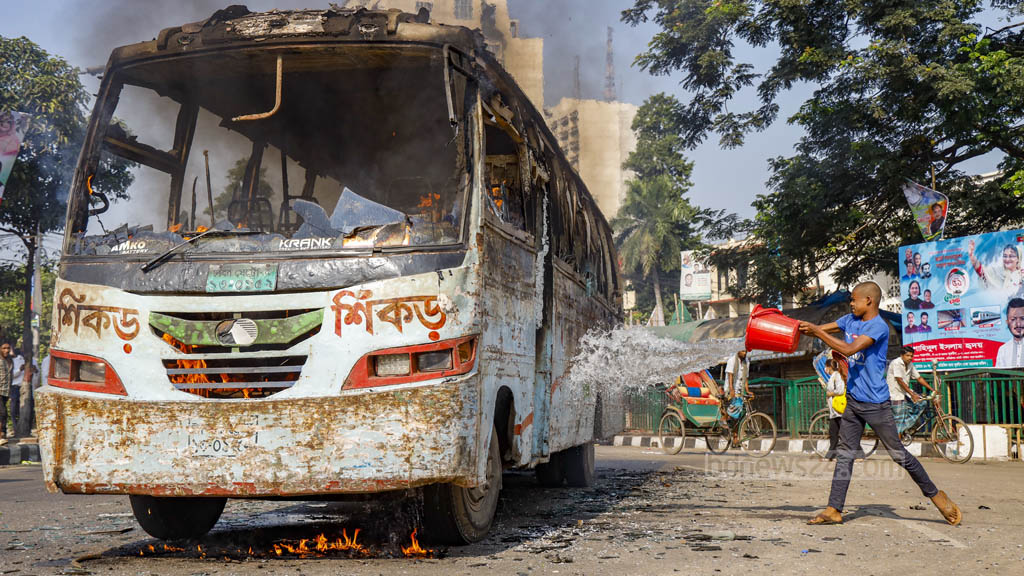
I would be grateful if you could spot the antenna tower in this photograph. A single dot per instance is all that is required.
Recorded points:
(609, 71)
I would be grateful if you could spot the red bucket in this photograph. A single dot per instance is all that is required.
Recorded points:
(769, 329)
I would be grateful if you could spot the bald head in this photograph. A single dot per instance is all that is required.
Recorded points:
(869, 290)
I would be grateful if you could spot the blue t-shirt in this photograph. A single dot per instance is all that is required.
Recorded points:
(867, 367)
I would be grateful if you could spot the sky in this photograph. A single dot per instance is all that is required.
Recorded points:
(84, 32)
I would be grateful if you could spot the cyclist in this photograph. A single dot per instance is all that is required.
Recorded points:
(898, 376)
(866, 337)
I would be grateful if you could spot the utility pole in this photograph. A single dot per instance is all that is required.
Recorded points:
(576, 91)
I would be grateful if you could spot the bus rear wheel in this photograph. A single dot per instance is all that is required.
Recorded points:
(176, 518)
(457, 515)
(578, 465)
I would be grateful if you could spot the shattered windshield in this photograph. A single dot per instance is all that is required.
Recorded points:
(318, 149)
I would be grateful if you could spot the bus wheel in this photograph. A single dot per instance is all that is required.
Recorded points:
(551, 474)
(457, 515)
(176, 518)
(578, 465)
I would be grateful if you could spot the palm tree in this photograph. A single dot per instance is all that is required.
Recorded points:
(654, 223)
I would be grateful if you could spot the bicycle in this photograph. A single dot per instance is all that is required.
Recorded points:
(950, 435)
(716, 427)
(818, 435)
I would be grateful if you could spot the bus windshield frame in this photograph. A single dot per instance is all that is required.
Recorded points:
(324, 196)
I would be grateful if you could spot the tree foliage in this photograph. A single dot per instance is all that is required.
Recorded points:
(236, 176)
(12, 304)
(656, 220)
(653, 224)
(901, 88)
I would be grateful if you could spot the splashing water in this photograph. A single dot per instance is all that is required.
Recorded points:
(633, 358)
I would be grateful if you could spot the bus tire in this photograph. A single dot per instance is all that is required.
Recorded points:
(176, 518)
(456, 515)
(578, 465)
(551, 474)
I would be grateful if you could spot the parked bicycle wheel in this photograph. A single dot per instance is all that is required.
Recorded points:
(907, 438)
(953, 439)
(671, 431)
(818, 435)
(719, 439)
(757, 434)
(868, 445)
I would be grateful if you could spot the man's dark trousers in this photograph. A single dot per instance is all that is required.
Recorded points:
(851, 429)
(15, 413)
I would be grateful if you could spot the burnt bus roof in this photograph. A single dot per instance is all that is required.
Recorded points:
(237, 26)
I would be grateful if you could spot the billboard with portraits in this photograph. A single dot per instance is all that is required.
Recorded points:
(963, 301)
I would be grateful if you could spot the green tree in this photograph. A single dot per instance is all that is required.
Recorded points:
(654, 223)
(12, 304)
(659, 148)
(902, 88)
(236, 176)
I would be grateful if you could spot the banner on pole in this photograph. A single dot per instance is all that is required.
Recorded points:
(12, 130)
(694, 278)
(929, 209)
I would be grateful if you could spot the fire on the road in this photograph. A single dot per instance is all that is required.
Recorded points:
(317, 547)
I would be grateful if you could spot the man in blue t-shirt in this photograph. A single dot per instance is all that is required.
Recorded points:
(867, 401)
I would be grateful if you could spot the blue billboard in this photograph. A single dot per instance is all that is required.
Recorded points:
(963, 301)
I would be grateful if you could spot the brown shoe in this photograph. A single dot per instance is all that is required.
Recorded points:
(827, 516)
(949, 510)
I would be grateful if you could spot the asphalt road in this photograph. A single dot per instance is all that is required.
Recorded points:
(647, 514)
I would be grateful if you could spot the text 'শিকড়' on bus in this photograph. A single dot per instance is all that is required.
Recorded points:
(385, 295)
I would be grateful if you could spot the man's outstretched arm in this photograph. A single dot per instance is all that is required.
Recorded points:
(823, 333)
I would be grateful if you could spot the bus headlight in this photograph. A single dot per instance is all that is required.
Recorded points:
(413, 363)
(82, 372)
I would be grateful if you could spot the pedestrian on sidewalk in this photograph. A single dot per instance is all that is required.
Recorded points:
(835, 387)
(866, 338)
(6, 375)
(17, 374)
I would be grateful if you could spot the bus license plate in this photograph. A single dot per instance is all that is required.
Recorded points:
(222, 443)
(241, 278)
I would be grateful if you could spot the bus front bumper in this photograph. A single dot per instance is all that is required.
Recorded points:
(365, 443)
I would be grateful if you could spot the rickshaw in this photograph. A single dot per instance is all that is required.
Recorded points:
(696, 409)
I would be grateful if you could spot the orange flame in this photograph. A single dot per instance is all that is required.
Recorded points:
(174, 228)
(414, 550)
(322, 545)
(201, 378)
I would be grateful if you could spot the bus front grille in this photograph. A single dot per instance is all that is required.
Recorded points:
(234, 378)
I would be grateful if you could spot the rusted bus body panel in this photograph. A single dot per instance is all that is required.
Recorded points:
(368, 442)
(508, 341)
(575, 313)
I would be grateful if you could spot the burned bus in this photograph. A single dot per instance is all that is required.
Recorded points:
(321, 253)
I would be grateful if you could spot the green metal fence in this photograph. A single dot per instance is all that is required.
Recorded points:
(985, 396)
(976, 396)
